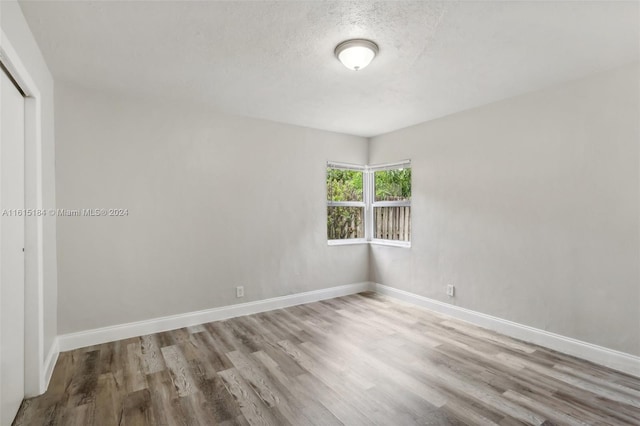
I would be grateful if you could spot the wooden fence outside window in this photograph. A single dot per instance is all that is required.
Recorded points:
(389, 223)
(392, 223)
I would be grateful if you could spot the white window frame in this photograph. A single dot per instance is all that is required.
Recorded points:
(368, 202)
(362, 204)
(406, 164)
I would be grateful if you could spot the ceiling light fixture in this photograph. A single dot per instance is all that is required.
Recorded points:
(356, 54)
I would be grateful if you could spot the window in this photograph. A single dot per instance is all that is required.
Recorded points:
(392, 202)
(345, 202)
(369, 203)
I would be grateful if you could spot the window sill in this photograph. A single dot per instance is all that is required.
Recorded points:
(347, 242)
(392, 243)
(389, 243)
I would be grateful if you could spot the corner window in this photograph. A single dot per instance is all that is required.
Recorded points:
(369, 203)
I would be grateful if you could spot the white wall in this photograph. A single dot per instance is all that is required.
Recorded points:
(530, 206)
(214, 201)
(18, 34)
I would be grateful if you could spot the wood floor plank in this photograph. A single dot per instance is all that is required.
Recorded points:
(361, 359)
(212, 353)
(307, 401)
(270, 391)
(257, 340)
(179, 369)
(597, 381)
(164, 399)
(468, 416)
(151, 355)
(108, 399)
(137, 410)
(487, 336)
(260, 384)
(623, 398)
(338, 364)
(80, 415)
(340, 407)
(217, 400)
(251, 406)
(84, 382)
(135, 376)
(546, 409)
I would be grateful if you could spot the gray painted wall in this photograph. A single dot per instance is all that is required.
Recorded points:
(530, 207)
(214, 201)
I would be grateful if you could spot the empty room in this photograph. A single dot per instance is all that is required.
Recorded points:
(319, 213)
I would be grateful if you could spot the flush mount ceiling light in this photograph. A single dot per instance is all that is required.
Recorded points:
(357, 53)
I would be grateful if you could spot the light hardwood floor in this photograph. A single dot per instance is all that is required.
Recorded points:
(357, 360)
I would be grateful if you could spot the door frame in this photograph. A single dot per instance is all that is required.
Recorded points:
(37, 372)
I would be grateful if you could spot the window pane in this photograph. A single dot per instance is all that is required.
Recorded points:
(393, 185)
(392, 223)
(344, 185)
(345, 223)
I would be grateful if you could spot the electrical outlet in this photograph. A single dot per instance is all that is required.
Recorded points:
(451, 290)
(239, 291)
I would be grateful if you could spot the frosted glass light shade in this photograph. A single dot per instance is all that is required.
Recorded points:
(356, 54)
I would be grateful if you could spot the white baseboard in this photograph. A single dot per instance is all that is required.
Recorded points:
(49, 364)
(97, 336)
(620, 361)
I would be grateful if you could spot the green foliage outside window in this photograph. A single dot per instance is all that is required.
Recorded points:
(393, 185)
(344, 185)
(344, 222)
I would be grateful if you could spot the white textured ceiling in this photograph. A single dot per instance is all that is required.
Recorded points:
(274, 60)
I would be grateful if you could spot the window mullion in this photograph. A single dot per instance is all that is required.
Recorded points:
(369, 183)
(346, 204)
(391, 204)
